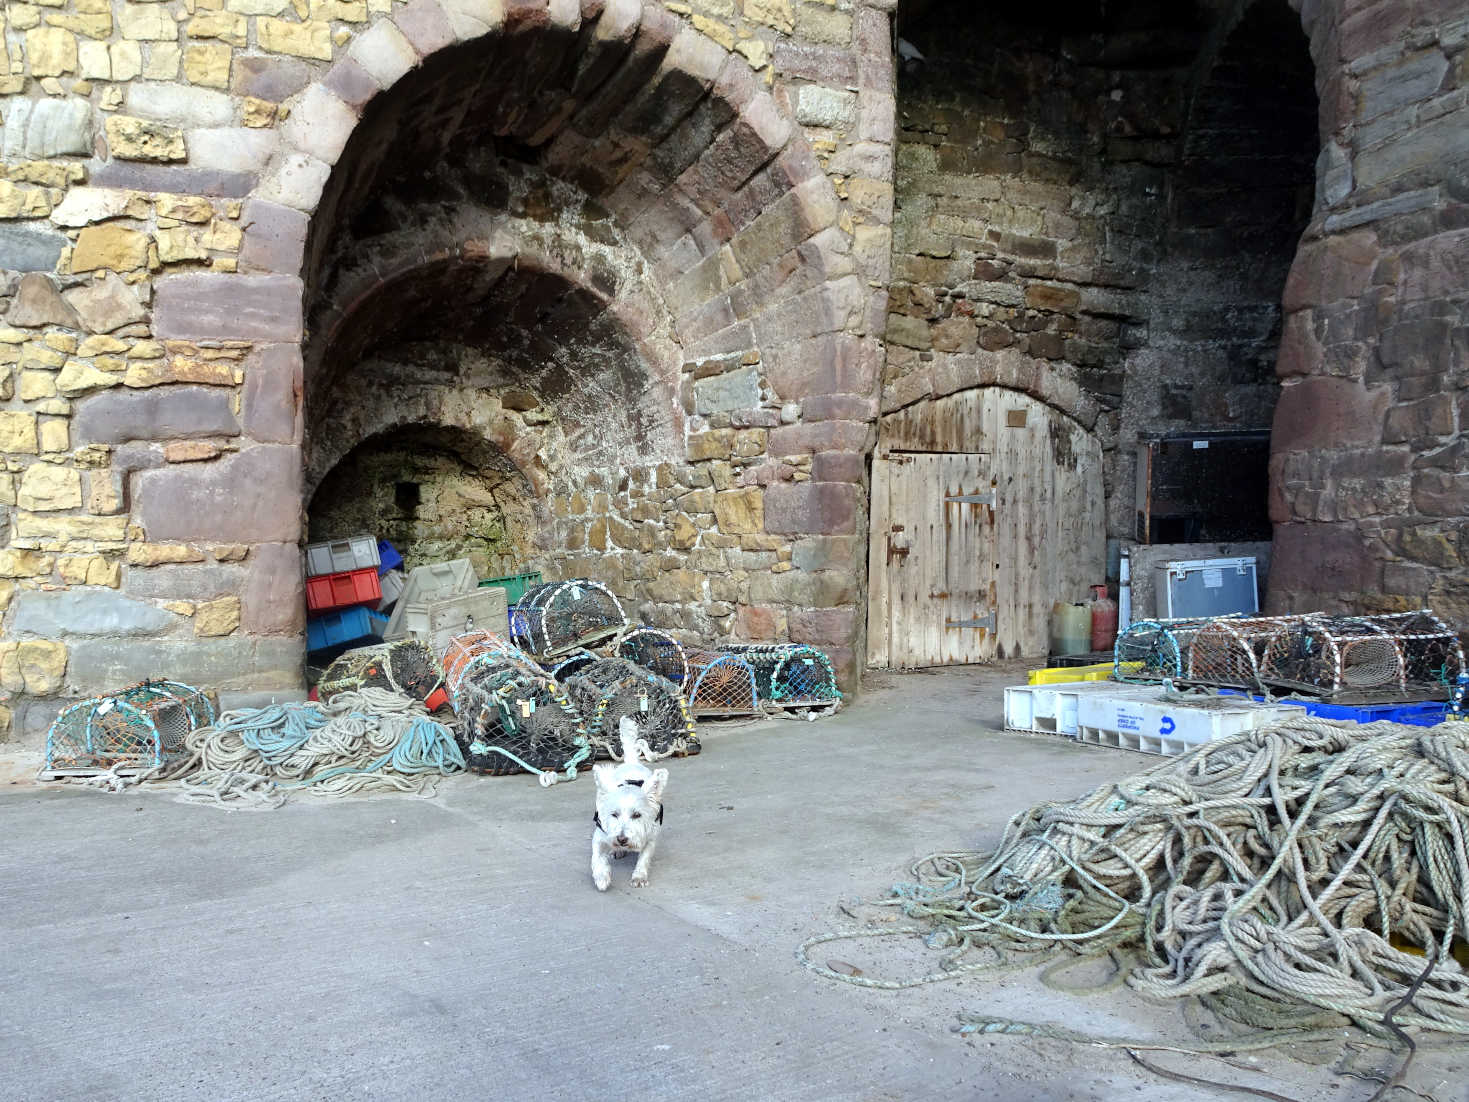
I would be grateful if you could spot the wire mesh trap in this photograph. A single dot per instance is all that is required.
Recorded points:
(475, 648)
(1229, 652)
(1156, 650)
(790, 675)
(557, 617)
(721, 684)
(610, 689)
(513, 720)
(406, 666)
(132, 730)
(655, 650)
(1400, 654)
(574, 662)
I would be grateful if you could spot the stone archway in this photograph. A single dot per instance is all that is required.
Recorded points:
(718, 257)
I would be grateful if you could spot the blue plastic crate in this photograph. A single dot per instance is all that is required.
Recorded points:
(350, 626)
(388, 557)
(1420, 713)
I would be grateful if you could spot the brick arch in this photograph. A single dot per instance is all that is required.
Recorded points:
(466, 255)
(670, 131)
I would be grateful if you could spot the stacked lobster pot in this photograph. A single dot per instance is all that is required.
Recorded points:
(406, 666)
(513, 716)
(557, 618)
(608, 690)
(721, 685)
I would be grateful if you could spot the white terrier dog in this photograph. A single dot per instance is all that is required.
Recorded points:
(629, 811)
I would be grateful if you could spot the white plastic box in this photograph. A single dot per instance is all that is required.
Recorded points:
(1170, 727)
(392, 582)
(438, 622)
(335, 556)
(1054, 709)
(430, 583)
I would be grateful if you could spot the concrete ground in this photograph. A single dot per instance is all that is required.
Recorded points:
(394, 947)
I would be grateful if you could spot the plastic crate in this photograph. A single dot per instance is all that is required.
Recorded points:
(336, 556)
(343, 629)
(1053, 709)
(1420, 713)
(1059, 675)
(1168, 727)
(392, 582)
(388, 557)
(438, 622)
(328, 592)
(515, 585)
(430, 583)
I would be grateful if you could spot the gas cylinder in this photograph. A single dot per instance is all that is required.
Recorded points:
(1104, 619)
(1068, 628)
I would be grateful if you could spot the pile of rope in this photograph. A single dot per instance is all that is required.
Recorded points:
(359, 741)
(1289, 877)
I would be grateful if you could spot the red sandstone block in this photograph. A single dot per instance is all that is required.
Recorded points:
(818, 436)
(811, 507)
(823, 626)
(220, 306)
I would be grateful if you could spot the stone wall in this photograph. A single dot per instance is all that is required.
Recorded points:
(1370, 471)
(241, 238)
(1101, 214)
(189, 265)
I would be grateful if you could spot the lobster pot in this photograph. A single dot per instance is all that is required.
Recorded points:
(469, 649)
(789, 675)
(135, 729)
(406, 666)
(1154, 650)
(1230, 651)
(512, 721)
(656, 651)
(1366, 656)
(558, 617)
(573, 663)
(610, 689)
(1433, 658)
(721, 684)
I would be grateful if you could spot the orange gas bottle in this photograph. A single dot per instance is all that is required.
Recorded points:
(1104, 619)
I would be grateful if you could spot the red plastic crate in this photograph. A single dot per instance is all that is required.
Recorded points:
(327, 592)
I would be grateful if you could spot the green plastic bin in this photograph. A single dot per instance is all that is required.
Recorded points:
(515, 585)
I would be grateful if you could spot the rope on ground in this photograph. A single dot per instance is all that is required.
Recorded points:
(359, 741)
(1275, 875)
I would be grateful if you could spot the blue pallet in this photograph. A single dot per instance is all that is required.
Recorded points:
(388, 557)
(1419, 713)
(349, 627)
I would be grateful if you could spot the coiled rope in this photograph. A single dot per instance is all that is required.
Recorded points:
(369, 739)
(1277, 875)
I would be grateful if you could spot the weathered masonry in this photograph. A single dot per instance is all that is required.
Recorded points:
(690, 297)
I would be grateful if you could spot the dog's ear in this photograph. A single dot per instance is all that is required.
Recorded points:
(605, 776)
(654, 788)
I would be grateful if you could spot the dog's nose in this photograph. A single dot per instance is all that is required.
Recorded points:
(622, 839)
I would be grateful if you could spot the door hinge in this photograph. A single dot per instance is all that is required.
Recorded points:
(982, 622)
(977, 499)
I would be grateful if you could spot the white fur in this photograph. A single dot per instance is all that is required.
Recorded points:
(627, 811)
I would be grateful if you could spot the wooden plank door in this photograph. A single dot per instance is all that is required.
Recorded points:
(1051, 536)
(933, 561)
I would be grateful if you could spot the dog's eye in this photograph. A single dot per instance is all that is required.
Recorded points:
(637, 814)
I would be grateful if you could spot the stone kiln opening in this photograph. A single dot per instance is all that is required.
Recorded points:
(542, 282)
(435, 493)
(1099, 208)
